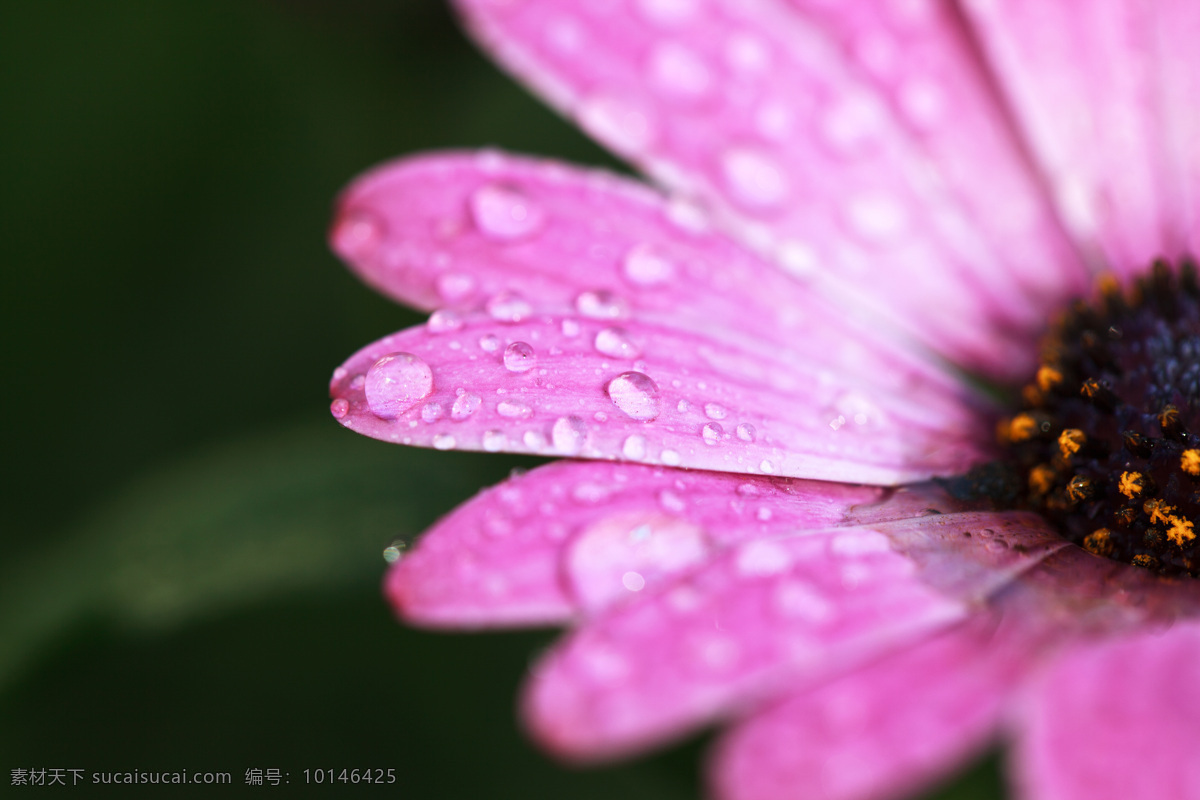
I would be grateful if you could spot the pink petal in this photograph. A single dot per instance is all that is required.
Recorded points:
(886, 730)
(756, 110)
(1082, 80)
(574, 538)
(762, 616)
(1178, 69)
(586, 243)
(585, 387)
(1115, 720)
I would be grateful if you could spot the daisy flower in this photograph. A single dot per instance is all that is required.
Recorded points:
(791, 502)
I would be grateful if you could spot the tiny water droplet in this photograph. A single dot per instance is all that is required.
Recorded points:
(358, 381)
(519, 357)
(624, 125)
(646, 265)
(494, 441)
(339, 407)
(616, 342)
(511, 409)
(396, 549)
(395, 383)
(534, 440)
(755, 179)
(505, 214)
(444, 441)
(489, 343)
(669, 457)
(633, 581)
(568, 434)
(635, 394)
(432, 412)
(671, 502)
(357, 234)
(455, 287)
(711, 433)
(601, 304)
(715, 411)
(339, 374)
(746, 432)
(464, 406)
(443, 321)
(678, 72)
(766, 466)
(508, 307)
(570, 328)
(634, 447)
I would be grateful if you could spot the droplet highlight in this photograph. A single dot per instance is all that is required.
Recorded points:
(396, 383)
(519, 357)
(635, 394)
(505, 214)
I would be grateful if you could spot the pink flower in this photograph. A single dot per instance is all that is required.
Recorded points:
(860, 202)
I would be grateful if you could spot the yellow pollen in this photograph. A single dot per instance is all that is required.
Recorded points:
(1041, 479)
(1098, 542)
(1181, 531)
(1190, 462)
(1131, 484)
(1150, 562)
(1070, 440)
(1168, 416)
(1079, 489)
(1048, 378)
(1022, 428)
(1158, 511)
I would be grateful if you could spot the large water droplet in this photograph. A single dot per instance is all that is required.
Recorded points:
(396, 383)
(755, 179)
(508, 307)
(567, 435)
(464, 406)
(616, 342)
(505, 214)
(711, 433)
(519, 357)
(647, 265)
(601, 304)
(635, 394)
(357, 235)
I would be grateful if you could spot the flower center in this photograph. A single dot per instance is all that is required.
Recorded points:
(1107, 441)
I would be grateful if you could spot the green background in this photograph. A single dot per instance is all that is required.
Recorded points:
(191, 552)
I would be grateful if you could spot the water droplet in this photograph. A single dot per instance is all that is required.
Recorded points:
(837, 422)
(711, 433)
(455, 287)
(432, 412)
(339, 374)
(746, 432)
(624, 125)
(646, 265)
(616, 342)
(494, 441)
(634, 447)
(505, 214)
(339, 407)
(715, 411)
(444, 441)
(590, 493)
(798, 600)
(635, 394)
(511, 409)
(671, 502)
(443, 320)
(396, 549)
(570, 328)
(667, 12)
(568, 434)
(766, 466)
(678, 72)
(357, 234)
(877, 218)
(358, 381)
(519, 357)
(489, 343)
(396, 383)
(633, 581)
(686, 215)
(464, 406)
(763, 557)
(508, 307)
(764, 514)
(755, 180)
(601, 304)
(746, 53)
(534, 440)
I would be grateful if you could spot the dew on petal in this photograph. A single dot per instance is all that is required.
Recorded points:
(357, 235)
(534, 440)
(670, 458)
(755, 180)
(432, 412)
(671, 502)
(601, 304)
(616, 342)
(711, 433)
(508, 307)
(797, 600)
(633, 581)
(634, 447)
(645, 265)
(635, 394)
(358, 381)
(505, 214)
(444, 441)
(464, 406)
(443, 321)
(339, 374)
(715, 411)
(519, 357)
(623, 125)
(489, 343)
(512, 409)
(763, 557)
(678, 72)
(454, 287)
(766, 466)
(746, 432)
(494, 441)
(570, 328)
(568, 434)
(395, 383)
(667, 12)
(339, 407)
(876, 218)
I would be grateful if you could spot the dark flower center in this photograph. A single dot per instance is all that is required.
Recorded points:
(1107, 440)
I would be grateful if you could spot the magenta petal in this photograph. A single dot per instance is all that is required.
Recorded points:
(761, 617)
(1115, 720)
(886, 730)
(811, 159)
(588, 388)
(1082, 79)
(573, 538)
